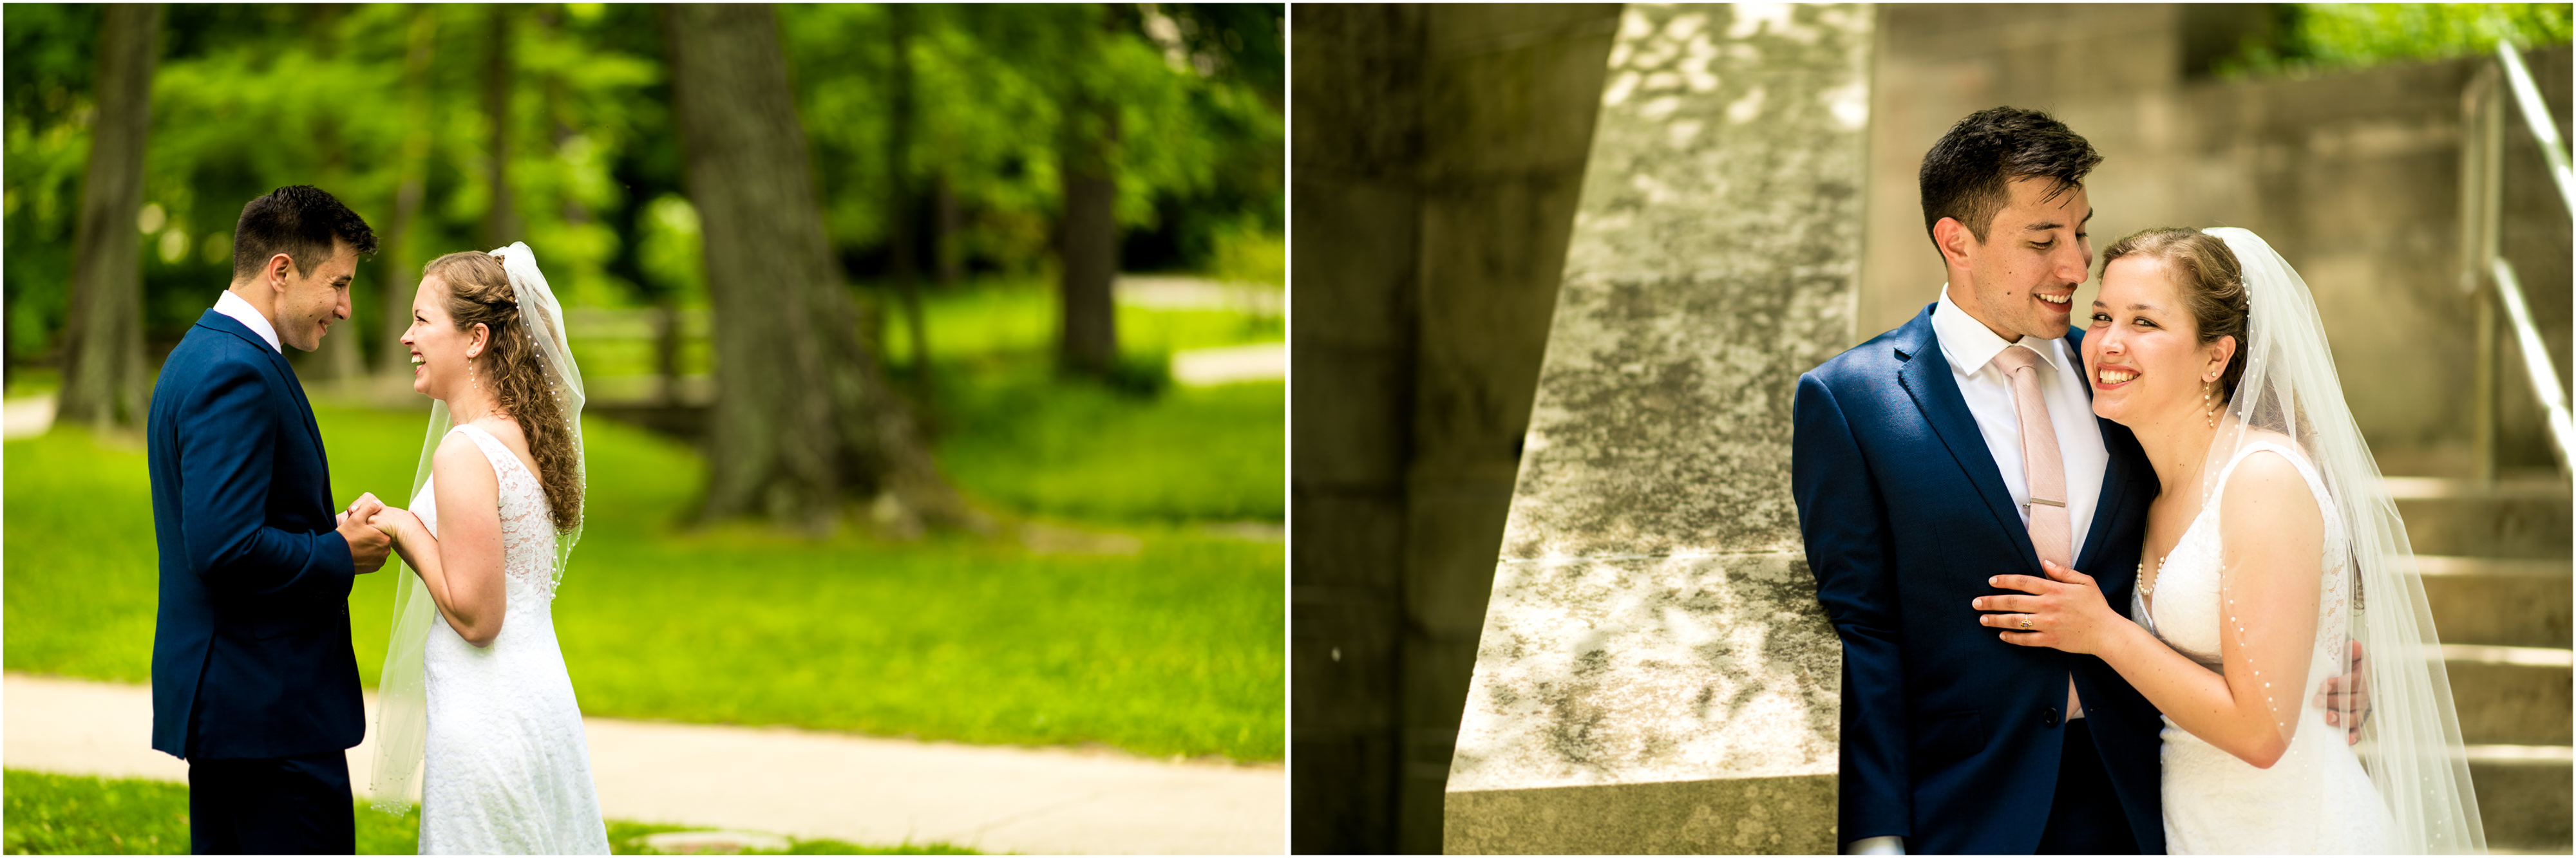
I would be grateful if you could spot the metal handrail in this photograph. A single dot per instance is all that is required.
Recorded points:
(2480, 234)
(2535, 113)
(2535, 358)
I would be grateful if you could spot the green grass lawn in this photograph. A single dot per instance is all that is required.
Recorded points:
(1175, 649)
(1173, 646)
(64, 815)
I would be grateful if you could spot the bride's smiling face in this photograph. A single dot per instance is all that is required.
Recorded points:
(440, 353)
(2142, 351)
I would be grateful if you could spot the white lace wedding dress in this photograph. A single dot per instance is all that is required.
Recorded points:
(507, 770)
(2316, 799)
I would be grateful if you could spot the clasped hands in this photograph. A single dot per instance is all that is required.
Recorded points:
(371, 527)
(2066, 611)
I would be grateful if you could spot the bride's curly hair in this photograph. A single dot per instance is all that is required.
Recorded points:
(2211, 281)
(478, 292)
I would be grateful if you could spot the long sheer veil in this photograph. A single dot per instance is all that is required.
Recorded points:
(2410, 743)
(402, 714)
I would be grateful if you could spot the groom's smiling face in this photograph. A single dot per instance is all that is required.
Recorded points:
(309, 303)
(2020, 278)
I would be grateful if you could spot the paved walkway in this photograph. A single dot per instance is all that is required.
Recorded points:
(26, 417)
(1230, 364)
(784, 781)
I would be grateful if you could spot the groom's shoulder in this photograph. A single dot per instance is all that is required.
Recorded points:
(207, 353)
(1873, 361)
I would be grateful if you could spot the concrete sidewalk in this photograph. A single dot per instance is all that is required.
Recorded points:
(777, 780)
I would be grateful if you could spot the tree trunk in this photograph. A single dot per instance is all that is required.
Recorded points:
(1087, 239)
(502, 226)
(902, 202)
(398, 265)
(103, 372)
(341, 359)
(950, 221)
(804, 417)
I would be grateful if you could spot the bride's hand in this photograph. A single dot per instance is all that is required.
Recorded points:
(364, 508)
(2064, 611)
(394, 522)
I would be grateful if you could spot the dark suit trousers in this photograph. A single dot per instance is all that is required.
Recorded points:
(277, 806)
(2085, 818)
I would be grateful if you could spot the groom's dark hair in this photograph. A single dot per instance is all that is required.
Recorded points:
(1969, 172)
(299, 221)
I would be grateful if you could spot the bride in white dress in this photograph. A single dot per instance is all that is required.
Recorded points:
(476, 702)
(2272, 554)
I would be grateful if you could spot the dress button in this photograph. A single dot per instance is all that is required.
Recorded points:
(2048, 717)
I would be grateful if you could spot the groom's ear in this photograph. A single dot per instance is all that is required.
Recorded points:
(1951, 237)
(280, 267)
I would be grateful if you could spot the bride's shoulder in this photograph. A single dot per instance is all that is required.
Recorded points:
(2267, 498)
(459, 455)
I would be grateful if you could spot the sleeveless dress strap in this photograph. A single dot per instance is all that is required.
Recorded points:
(494, 451)
(2307, 471)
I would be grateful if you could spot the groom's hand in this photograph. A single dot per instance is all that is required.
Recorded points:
(2346, 698)
(367, 545)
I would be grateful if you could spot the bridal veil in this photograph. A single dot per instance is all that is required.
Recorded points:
(2410, 741)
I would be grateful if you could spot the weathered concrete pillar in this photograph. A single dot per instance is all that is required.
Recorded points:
(1654, 673)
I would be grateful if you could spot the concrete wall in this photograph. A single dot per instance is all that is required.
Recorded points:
(1655, 674)
(2353, 176)
(1437, 156)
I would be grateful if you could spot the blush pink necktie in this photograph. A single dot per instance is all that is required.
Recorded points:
(2045, 469)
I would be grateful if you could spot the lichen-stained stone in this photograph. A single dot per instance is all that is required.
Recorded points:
(1777, 816)
(1631, 670)
(1654, 673)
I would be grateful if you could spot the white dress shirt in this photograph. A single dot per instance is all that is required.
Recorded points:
(1971, 347)
(241, 311)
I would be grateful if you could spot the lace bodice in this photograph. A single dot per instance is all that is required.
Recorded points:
(2184, 609)
(527, 523)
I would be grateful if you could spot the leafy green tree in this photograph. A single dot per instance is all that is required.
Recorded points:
(2322, 36)
(103, 372)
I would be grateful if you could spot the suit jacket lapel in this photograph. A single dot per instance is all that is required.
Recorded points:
(1925, 374)
(286, 372)
(296, 387)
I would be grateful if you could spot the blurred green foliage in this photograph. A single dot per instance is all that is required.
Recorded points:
(52, 814)
(2313, 37)
(355, 98)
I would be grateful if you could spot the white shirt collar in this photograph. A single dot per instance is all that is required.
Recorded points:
(1970, 345)
(241, 311)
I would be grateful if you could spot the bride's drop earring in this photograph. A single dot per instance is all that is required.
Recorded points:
(2209, 402)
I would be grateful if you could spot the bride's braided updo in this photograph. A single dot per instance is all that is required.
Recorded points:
(478, 292)
(2211, 283)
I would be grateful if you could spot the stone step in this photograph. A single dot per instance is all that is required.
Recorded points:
(2511, 695)
(2524, 799)
(2499, 601)
(2523, 518)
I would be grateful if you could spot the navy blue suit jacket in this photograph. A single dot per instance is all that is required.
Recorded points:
(1951, 737)
(251, 655)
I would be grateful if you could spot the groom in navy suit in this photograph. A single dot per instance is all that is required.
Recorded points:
(253, 678)
(1922, 466)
